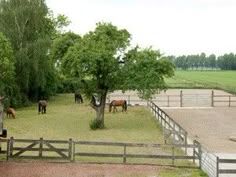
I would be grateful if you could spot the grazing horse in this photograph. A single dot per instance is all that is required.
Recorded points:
(11, 112)
(116, 103)
(42, 105)
(78, 98)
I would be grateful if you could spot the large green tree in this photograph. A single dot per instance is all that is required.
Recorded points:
(7, 69)
(103, 60)
(30, 27)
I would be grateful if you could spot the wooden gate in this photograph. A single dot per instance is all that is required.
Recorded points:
(39, 149)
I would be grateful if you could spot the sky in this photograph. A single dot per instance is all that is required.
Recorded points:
(175, 27)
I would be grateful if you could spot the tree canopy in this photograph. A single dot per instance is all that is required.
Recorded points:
(7, 69)
(104, 61)
(30, 28)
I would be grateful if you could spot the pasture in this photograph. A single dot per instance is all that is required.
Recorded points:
(66, 119)
(224, 80)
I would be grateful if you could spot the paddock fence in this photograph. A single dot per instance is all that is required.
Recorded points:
(99, 152)
(213, 164)
(137, 153)
(207, 99)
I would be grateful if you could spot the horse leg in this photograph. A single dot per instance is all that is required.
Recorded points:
(39, 108)
(115, 109)
(44, 109)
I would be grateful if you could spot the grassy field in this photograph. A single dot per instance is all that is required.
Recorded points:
(224, 80)
(65, 119)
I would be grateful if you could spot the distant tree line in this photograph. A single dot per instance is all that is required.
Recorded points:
(203, 62)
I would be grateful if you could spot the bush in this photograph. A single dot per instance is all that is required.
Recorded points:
(94, 124)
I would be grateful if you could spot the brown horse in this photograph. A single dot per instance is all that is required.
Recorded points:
(116, 103)
(42, 105)
(11, 112)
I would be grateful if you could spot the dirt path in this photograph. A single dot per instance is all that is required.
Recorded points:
(13, 169)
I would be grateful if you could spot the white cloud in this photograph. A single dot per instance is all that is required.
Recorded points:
(173, 26)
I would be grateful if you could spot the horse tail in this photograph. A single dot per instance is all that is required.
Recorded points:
(13, 113)
(125, 105)
(110, 106)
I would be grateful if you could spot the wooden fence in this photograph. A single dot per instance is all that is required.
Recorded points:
(60, 150)
(181, 100)
(225, 170)
(170, 127)
(38, 149)
(129, 151)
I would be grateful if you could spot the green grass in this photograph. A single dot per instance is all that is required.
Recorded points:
(224, 80)
(182, 172)
(65, 119)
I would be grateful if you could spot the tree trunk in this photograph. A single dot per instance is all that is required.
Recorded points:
(100, 109)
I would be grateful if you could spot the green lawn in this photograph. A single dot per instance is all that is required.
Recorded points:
(224, 80)
(65, 119)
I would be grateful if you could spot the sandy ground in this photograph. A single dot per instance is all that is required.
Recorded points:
(212, 127)
(12, 169)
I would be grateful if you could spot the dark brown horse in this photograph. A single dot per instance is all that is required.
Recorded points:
(11, 112)
(78, 98)
(116, 103)
(42, 105)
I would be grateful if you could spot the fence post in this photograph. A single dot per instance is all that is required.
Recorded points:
(124, 155)
(194, 152)
(229, 100)
(212, 98)
(8, 148)
(11, 146)
(181, 98)
(217, 166)
(73, 154)
(185, 141)
(41, 147)
(173, 155)
(200, 155)
(129, 100)
(70, 149)
(168, 99)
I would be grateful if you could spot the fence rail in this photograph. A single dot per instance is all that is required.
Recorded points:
(125, 154)
(39, 149)
(171, 127)
(225, 170)
(22, 149)
(181, 100)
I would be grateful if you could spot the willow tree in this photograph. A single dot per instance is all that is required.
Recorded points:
(102, 61)
(30, 26)
(7, 69)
